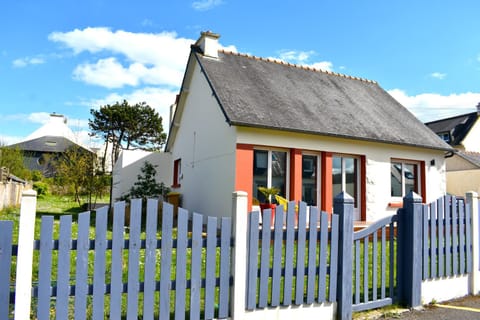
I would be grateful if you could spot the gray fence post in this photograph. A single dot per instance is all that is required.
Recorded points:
(23, 281)
(239, 255)
(409, 251)
(343, 206)
(474, 276)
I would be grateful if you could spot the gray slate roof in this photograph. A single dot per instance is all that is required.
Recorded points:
(457, 126)
(46, 144)
(258, 92)
(472, 157)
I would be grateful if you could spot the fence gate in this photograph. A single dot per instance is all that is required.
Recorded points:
(374, 264)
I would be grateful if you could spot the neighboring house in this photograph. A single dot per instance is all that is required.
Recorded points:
(242, 122)
(46, 143)
(462, 133)
(127, 168)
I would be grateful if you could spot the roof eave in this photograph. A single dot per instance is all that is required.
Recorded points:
(334, 135)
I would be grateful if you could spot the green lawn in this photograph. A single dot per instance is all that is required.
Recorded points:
(57, 206)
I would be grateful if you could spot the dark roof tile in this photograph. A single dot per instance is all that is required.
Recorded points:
(261, 93)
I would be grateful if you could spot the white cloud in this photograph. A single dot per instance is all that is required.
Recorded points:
(303, 58)
(324, 65)
(157, 98)
(434, 106)
(297, 56)
(38, 117)
(23, 62)
(204, 5)
(133, 59)
(150, 58)
(6, 140)
(147, 23)
(112, 74)
(438, 75)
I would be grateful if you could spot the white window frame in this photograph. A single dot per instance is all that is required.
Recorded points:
(269, 167)
(418, 176)
(318, 177)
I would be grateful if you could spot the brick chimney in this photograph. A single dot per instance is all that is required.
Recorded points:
(208, 43)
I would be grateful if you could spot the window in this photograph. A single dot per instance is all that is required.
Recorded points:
(269, 170)
(310, 179)
(177, 173)
(345, 177)
(445, 136)
(404, 178)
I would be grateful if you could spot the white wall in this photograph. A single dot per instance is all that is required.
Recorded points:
(378, 156)
(206, 145)
(127, 168)
(472, 140)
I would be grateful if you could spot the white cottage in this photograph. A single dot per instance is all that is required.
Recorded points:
(242, 122)
(462, 132)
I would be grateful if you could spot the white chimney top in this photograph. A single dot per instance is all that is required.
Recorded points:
(208, 43)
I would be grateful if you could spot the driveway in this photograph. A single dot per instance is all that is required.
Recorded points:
(466, 308)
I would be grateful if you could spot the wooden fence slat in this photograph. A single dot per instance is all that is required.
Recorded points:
(134, 257)
(277, 256)
(441, 243)
(6, 234)
(196, 266)
(45, 268)
(301, 241)
(433, 240)
(166, 260)
(468, 239)
(265, 259)
(332, 296)
(392, 259)
(225, 250)
(81, 267)
(252, 271)
(365, 269)
(63, 267)
(150, 258)
(181, 267)
(312, 255)
(211, 260)
(383, 244)
(374, 265)
(455, 236)
(289, 243)
(116, 275)
(448, 238)
(357, 271)
(323, 253)
(425, 242)
(461, 228)
(100, 263)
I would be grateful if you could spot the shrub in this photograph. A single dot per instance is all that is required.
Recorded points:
(41, 188)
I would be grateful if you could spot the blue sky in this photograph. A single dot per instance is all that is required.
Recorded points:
(69, 56)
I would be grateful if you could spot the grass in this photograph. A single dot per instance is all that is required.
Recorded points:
(58, 206)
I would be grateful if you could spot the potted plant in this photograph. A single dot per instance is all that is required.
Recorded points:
(268, 193)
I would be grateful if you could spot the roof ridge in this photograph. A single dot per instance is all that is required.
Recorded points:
(451, 117)
(298, 66)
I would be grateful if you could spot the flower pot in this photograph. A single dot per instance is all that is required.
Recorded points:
(264, 206)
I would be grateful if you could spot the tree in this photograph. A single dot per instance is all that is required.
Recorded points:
(127, 127)
(75, 170)
(12, 159)
(146, 185)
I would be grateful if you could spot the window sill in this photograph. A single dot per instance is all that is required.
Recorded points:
(395, 204)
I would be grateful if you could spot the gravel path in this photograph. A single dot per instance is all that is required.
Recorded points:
(466, 308)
